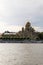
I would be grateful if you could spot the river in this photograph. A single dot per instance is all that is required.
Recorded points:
(21, 54)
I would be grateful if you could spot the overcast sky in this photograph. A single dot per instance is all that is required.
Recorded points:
(15, 13)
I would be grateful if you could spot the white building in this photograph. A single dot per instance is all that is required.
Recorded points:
(9, 33)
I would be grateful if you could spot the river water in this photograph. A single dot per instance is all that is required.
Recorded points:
(21, 54)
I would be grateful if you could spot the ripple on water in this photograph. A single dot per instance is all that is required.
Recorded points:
(21, 54)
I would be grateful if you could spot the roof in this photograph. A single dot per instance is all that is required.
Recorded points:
(9, 33)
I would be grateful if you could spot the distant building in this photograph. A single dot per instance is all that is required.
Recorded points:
(9, 33)
(0, 35)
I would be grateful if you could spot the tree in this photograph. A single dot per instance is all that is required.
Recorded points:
(40, 35)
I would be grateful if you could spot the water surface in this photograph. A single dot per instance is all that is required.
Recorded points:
(21, 54)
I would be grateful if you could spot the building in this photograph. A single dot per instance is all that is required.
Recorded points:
(9, 33)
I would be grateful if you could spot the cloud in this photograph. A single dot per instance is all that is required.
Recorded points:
(17, 12)
(38, 29)
(15, 28)
(5, 27)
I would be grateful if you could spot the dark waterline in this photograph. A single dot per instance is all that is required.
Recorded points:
(21, 41)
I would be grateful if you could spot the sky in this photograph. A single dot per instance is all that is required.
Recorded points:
(15, 13)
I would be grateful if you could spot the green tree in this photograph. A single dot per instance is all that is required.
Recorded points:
(40, 35)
